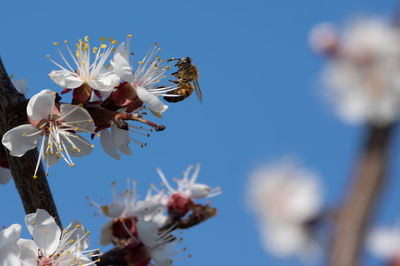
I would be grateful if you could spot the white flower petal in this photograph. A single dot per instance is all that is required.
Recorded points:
(10, 235)
(66, 79)
(106, 81)
(121, 139)
(147, 232)
(120, 63)
(199, 191)
(155, 104)
(113, 210)
(20, 85)
(41, 105)
(74, 236)
(75, 145)
(9, 255)
(29, 252)
(44, 230)
(106, 234)
(5, 175)
(18, 140)
(108, 144)
(384, 242)
(77, 116)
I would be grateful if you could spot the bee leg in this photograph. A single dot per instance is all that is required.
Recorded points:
(174, 81)
(173, 59)
(175, 73)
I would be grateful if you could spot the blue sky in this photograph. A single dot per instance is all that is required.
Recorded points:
(261, 102)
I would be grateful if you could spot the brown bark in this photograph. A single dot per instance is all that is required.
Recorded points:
(34, 193)
(356, 210)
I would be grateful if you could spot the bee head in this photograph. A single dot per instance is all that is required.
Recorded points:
(184, 62)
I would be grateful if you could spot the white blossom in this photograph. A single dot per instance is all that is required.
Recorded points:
(363, 75)
(57, 127)
(9, 250)
(149, 72)
(285, 197)
(94, 73)
(384, 242)
(187, 186)
(51, 246)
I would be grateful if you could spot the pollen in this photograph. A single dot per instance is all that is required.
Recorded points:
(129, 35)
(114, 42)
(54, 93)
(107, 66)
(104, 46)
(140, 62)
(113, 49)
(95, 50)
(80, 105)
(111, 39)
(102, 39)
(98, 135)
(33, 223)
(65, 41)
(90, 120)
(92, 146)
(76, 129)
(86, 38)
(77, 226)
(47, 56)
(35, 176)
(55, 43)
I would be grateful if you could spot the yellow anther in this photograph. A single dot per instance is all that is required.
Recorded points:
(95, 50)
(162, 60)
(83, 63)
(24, 134)
(129, 35)
(107, 66)
(77, 226)
(88, 232)
(163, 76)
(11, 76)
(79, 150)
(158, 80)
(65, 41)
(104, 46)
(98, 260)
(46, 231)
(167, 67)
(86, 38)
(71, 241)
(47, 56)
(53, 92)
(55, 43)
(113, 49)
(76, 129)
(92, 146)
(111, 39)
(98, 135)
(35, 176)
(65, 231)
(159, 49)
(156, 44)
(140, 62)
(80, 105)
(102, 39)
(57, 152)
(74, 148)
(33, 223)
(114, 42)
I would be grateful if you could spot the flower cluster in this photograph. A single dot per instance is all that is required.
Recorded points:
(143, 228)
(50, 245)
(287, 200)
(384, 242)
(363, 72)
(107, 93)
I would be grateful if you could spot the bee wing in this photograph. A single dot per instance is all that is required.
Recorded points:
(198, 91)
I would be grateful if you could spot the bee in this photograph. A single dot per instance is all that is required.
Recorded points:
(187, 72)
(184, 90)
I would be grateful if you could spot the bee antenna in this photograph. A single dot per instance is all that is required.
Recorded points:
(173, 59)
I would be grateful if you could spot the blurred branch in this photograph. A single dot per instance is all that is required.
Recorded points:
(34, 193)
(354, 214)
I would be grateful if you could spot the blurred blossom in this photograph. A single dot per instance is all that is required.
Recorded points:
(363, 75)
(384, 243)
(286, 199)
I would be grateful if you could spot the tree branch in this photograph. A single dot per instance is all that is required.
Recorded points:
(355, 212)
(34, 193)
